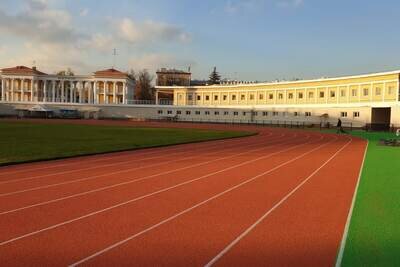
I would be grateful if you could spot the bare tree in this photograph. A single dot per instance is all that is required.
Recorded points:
(68, 72)
(144, 89)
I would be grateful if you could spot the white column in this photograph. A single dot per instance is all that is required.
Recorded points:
(71, 92)
(95, 94)
(45, 91)
(90, 93)
(62, 97)
(3, 90)
(53, 91)
(31, 90)
(124, 93)
(157, 97)
(105, 92)
(12, 89)
(114, 93)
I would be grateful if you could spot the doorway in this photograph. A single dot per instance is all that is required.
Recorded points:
(380, 119)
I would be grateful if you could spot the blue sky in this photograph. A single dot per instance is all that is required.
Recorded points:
(245, 39)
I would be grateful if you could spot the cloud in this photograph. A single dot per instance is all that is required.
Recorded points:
(84, 12)
(232, 7)
(150, 31)
(290, 3)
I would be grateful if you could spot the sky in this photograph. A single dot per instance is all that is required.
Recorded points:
(253, 40)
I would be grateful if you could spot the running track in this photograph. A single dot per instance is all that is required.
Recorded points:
(279, 198)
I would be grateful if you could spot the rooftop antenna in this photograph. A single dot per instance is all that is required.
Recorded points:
(114, 57)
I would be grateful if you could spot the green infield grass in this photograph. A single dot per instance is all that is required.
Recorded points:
(27, 141)
(374, 233)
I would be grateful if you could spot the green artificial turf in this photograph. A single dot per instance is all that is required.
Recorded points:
(374, 233)
(24, 141)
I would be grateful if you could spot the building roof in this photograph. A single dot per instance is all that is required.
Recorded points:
(110, 73)
(22, 70)
(172, 71)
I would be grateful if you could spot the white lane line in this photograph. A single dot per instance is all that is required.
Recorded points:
(339, 258)
(145, 196)
(87, 178)
(193, 207)
(132, 153)
(262, 218)
(149, 176)
(109, 165)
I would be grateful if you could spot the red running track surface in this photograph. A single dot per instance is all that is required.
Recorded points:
(279, 198)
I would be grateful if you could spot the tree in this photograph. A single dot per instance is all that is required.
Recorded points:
(132, 74)
(215, 78)
(68, 72)
(144, 89)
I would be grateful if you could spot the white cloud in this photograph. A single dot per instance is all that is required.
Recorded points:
(150, 31)
(84, 12)
(290, 3)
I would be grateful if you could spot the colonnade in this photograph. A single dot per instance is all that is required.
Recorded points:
(89, 91)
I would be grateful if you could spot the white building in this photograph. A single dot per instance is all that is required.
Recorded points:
(29, 85)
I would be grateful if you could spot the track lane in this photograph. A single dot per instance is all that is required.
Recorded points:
(122, 177)
(307, 228)
(217, 182)
(62, 211)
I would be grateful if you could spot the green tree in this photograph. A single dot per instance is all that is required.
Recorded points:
(214, 78)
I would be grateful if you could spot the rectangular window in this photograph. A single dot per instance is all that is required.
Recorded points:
(311, 95)
(321, 94)
(188, 112)
(300, 95)
(242, 97)
(307, 114)
(271, 96)
(190, 97)
(207, 98)
(354, 92)
(290, 96)
(244, 113)
(378, 91)
(260, 96)
(169, 112)
(356, 114)
(343, 93)
(216, 112)
(199, 97)
(280, 96)
(275, 113)
(178, 112)
(255, 113)
(207, 112)
(234, 97)
(251, 97)
(296, 114)
(224, 97)
(215, 98)
(226, 113)
(365, 91)
(160, 112)
(197, 112)
(343, 114)
(235, 113)
(390, 90)
(333, 94)
(265, 113)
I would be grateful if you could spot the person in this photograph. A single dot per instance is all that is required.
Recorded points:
(339, 126)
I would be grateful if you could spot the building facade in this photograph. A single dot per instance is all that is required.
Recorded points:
(29, 85)
(173, 77)
(371, 98)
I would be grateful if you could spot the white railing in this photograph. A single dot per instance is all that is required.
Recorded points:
(165, 102)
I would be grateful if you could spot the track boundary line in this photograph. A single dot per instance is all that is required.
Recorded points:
(92, 177)
(141, 178)
(147, 195)
(109, 165)
(195, 206)
(343, 242)
(277, 205)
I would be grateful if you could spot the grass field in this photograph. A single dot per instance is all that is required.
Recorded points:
(23, 141)
(374, 234)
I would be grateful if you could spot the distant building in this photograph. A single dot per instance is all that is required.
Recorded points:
(29, 85)
(173, 77)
